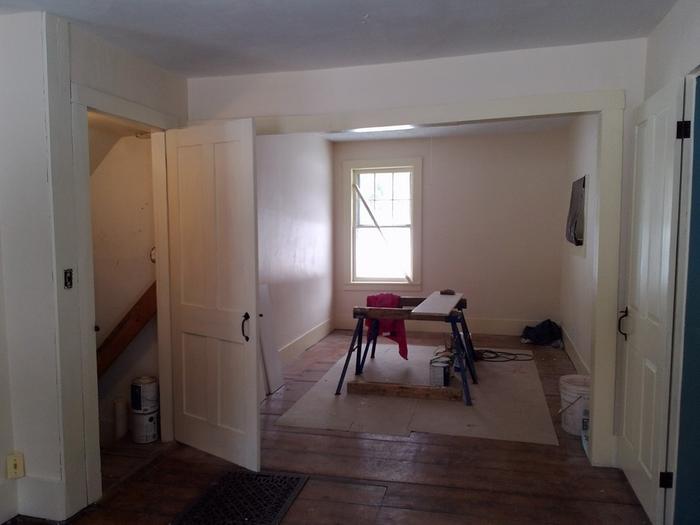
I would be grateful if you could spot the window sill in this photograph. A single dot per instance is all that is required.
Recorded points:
(382, 286)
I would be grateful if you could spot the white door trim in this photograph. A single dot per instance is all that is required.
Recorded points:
(82, 99)
(86, 291)
(471, 110)
(160, 215)
(120, 107)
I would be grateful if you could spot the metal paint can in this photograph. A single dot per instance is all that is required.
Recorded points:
(144, 395)
(144, 427)
(440, 372)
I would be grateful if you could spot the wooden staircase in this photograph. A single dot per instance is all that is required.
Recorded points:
(128, 328)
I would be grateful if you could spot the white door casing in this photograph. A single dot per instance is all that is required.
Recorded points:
(213, 285)
(650, 296)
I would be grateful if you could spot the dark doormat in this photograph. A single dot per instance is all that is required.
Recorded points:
(242, 497)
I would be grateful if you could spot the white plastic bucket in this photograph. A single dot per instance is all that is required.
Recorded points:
(575, 391)
(144, 394)
(144, 427)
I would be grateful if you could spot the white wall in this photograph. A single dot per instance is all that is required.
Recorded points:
(122, 228)
(673, 46)
(28, 272)
(586, 67)
(578, 262)
(490, 225)
(121, 190)
(38, 237)
(294, 184)
(96, 64)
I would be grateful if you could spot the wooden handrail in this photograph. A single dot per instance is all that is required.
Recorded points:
(128, 328)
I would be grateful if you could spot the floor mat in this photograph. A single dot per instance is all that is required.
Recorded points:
(509, 402)
(242, 497)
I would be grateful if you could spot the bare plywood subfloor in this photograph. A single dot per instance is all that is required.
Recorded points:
(509, 402)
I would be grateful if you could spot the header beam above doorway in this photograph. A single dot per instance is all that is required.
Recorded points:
(467, 111)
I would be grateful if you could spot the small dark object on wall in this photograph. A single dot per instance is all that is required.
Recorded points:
(576, 219)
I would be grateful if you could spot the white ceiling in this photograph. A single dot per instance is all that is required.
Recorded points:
(494, 127)
(221, 37)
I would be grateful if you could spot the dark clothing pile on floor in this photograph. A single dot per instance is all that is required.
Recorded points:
(547, 333)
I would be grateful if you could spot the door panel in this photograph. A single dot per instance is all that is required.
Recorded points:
(213, 252)
(652, 263)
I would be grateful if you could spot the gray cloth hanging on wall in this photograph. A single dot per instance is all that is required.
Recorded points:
(575, 220)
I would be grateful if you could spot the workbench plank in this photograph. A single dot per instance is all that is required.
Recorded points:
(366, 388)
(437, 304)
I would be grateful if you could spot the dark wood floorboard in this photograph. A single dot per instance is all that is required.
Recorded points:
(358, 478)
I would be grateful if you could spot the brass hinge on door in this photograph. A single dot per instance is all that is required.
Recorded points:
(666, 480)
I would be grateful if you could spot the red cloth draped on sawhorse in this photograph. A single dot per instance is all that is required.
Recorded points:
(394, 329)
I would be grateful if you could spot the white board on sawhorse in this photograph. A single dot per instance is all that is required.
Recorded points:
(437, 304)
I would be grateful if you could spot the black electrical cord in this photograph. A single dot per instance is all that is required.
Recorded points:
(494, 356)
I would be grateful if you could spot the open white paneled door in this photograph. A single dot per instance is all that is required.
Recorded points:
(650, 296)
(213, 289)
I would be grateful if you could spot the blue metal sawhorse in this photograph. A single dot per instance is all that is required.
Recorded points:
(462, 342)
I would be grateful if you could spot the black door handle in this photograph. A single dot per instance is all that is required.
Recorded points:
(624, 313)
(246, 317)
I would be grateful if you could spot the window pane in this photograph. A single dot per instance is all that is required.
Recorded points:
(383, 213)
(366, 184)
(382, 186)
(376, 258)
(363, 215)
(402, 212)
(402, 185)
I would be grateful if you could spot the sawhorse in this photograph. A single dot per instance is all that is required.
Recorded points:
(462, 342)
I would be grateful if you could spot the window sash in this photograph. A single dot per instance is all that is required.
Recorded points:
(357, 204)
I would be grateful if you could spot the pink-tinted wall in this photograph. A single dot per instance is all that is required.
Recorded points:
(492, 223)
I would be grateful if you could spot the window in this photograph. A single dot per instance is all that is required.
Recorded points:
(384, 213)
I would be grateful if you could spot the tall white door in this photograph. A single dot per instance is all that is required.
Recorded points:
(652, 266)
(213, 288)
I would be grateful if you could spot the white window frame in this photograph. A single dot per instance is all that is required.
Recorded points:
(348, 242)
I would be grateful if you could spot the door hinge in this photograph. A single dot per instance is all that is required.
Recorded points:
(683, 129)
(666, 480)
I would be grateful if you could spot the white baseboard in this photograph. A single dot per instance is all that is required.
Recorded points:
(574, 354)
(42, 498)
(476, 326)
(294, 349)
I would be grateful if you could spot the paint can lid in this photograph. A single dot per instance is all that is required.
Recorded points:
(144, 380)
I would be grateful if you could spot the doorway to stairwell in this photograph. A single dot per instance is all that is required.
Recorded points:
(123, 245)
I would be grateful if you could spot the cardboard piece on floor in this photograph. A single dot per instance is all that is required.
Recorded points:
(271, 361)
(509, 402)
